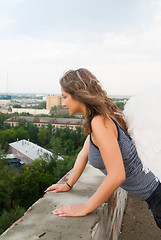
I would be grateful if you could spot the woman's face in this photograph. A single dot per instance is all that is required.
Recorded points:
(73, 105)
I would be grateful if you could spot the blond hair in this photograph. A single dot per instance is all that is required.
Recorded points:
(83, 86)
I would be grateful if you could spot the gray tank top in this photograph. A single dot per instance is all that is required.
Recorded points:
(138, 182)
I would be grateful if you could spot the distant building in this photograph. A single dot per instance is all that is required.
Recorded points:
(58, 111)
(64, 111)
(13, 160)
(72, 123)
(30, 110)
(5, 99)
(5, 109)
(52, 101)
(27, 151)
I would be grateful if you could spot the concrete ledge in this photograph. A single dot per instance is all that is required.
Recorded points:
(103, 223)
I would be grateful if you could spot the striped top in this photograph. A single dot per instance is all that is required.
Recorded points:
(138, 182)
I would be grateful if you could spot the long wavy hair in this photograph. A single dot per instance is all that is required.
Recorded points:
(83, 86)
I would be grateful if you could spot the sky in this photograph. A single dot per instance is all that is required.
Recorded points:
(119, 41)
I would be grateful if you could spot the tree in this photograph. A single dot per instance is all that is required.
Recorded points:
(30, 185)
(68, 147)
(22, 134)
(42, 105)
(9, 217)
(50, 131)
(10, 135)
(22, 122)
(57, 147)
(32, 131)
(7, 175)
(7, 136)
(16, 106)
(120, 105)
(63, 166)
(70, 139)
(42, 136)
(3, 117)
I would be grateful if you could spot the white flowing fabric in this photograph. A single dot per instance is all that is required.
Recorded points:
(143, 119)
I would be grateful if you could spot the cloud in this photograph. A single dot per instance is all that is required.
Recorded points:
(10, 3)
(39, 63)
(122, 50)
(5, 22)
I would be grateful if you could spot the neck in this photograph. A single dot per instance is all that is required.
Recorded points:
(84, 111)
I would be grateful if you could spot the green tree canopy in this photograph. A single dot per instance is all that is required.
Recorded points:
(7, 174)
(21, 133)
(42, 105)
(42, 136)
(7, 136)
(16, 106)
(9, 217)
(120, 105)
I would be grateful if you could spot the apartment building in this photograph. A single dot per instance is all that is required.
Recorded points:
(52, 101)
(72, 123)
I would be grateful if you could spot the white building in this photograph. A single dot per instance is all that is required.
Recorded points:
(27, 151)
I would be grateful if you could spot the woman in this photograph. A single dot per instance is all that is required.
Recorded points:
(107, 147)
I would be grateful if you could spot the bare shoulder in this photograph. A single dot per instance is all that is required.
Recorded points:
(100, 122)
(101, 126)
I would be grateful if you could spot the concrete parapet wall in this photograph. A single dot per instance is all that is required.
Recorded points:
(103, 223)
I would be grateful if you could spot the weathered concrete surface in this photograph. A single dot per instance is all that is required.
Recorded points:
(40, 223)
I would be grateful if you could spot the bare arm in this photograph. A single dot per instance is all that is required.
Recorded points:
(80, 163)
(77, 170)
(105, 138)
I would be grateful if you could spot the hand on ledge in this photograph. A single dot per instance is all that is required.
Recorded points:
(58, 188)
(71, 211)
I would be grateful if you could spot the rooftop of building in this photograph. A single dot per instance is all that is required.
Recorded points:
(74, 121)
(29, 149)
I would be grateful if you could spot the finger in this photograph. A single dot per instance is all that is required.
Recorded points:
(59, 210)
(61, 214)
(56, 191)
(62, 210)
(56, 212)
(47, 190)
(50, 188)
